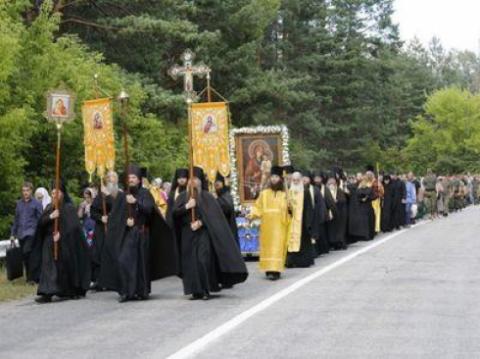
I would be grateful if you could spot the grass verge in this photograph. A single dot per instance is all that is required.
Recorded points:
(15, 289)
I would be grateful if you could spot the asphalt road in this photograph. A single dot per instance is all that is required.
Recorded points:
(414, 294)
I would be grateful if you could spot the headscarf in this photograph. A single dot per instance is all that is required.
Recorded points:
(46, 199)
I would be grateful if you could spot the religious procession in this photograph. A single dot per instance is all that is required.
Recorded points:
(238, 179)
(241, 196)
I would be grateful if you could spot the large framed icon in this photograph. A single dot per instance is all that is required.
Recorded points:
(253, 152)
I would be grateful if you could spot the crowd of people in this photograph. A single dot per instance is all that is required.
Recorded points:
(122, 239)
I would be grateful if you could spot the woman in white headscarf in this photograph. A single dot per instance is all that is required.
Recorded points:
(41, 194)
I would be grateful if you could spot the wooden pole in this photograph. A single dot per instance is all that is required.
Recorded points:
(104, 201)
(104, 204)
(190, 156)
(209, 89)
(126, 154)
(57, 189)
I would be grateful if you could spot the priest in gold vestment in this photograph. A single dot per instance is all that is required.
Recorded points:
(272, 209)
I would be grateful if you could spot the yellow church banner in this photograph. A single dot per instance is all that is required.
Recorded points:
(210, 138)
(99, 139)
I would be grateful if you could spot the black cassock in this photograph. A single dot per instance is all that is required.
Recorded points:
(174, 226)
(109, 243)
(399, 194)
(337, 227)
(327, 206)
(225, 201)
(147, 250)
(96, 212)
(209, 257)
(387, 207)
(360, 212)
(70, 274)
(310, 226)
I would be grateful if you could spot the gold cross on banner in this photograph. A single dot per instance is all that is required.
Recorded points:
(188, 70)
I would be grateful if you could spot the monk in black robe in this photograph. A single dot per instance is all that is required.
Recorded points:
(69, 275)
(337, 227)
(225, 200)
(305, 256)
(147, 251)
(387, 204)
(360, 210)
(209, 255)
(110, 232)
(179, 185)
(399, 200)
(322, 244)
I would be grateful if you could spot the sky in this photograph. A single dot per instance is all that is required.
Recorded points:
(455, 22)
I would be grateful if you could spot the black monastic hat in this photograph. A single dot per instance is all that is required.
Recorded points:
(277, 170)
(181, 173)
(219, 178)
(134, 170)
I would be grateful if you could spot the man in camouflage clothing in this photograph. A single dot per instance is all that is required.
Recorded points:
(430, 186)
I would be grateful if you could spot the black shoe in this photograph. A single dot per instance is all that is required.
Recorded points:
(206, 296)
(123, 299)
(275, 275)
(43, 299)
(143, 297)
(196, 296)
(269, 275)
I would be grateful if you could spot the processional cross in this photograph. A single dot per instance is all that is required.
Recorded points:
(188, 71)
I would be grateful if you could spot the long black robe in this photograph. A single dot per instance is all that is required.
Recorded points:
(360, 212)
(109, 275)
(70, 274)
(141, 258)
(210, 257)
(400, 193)
(337, 227)
(328, 206)
(305, 257)
(225, 201)
(387, 207)
(96, 213)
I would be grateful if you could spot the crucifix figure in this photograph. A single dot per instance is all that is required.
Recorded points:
(188, 70)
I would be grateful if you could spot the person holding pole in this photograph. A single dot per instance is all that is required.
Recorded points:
(65, 273)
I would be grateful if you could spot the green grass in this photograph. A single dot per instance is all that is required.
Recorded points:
(15, 289)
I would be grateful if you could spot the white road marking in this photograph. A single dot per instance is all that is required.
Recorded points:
(200, 344)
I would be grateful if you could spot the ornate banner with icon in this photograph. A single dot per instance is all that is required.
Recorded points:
(210, 138)
(99, 139)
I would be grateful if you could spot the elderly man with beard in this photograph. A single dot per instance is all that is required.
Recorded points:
(109, 232)
(303, 225)
(68, 275)
(272, 208)
(337, 227)
(323, 243)
(209, 255)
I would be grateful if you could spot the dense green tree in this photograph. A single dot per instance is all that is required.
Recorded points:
(34, 60)
(445, 138)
